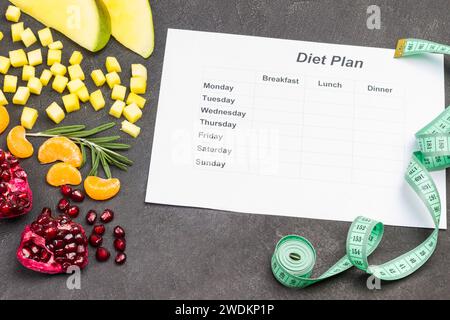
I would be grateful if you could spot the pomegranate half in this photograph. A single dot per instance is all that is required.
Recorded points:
(16, 198)
(51, 245)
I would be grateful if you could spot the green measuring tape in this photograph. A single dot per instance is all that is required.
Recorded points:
(409, 47)
(294, 257)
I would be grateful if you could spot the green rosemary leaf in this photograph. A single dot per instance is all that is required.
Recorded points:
(64, 130)
(83, 154)
(94, 169)
(93, 131)
(93, 156)
(115, 146)
(105, 166)
(104, 139)
(115, 163)
(118, 157)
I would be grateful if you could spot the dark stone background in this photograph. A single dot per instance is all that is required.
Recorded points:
(206, 254)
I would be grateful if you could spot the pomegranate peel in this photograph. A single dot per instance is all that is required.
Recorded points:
(51, 245)
(16, 197)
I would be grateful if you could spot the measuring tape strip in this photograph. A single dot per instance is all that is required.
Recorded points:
(409, 47)
(294, 257)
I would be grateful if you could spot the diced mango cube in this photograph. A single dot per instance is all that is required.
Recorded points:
(10, 84)
(132, 113)
(75, 85)
(28, 118)
(16, 31)
(112, 65)
(117, 109)
(98, 77)
(58, 69)
(132, 129)
(97, 100)
(35, 86)
(5, 64)
(83, 94)
(60, 83)
(18, 58)
(134, 98)
(55, 113)
(22, 95)
(1, 36)
(3, 100)
(76, 72)
(71, 102)
(35, 57)
(28, 72)
(112, 79)
(46, 76)
(76, 58)
(45, 36)
(12, 14)
(54, 56)
(119, 92)
(138, 85)
(139, 70)
(57, 45)
(28, 37)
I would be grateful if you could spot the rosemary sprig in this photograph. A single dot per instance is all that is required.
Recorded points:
(103, 149)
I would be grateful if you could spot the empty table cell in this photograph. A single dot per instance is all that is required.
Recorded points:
(324, 133)
(294, 118)
(373, 113)
(378, 126)
(227, 74)
(329, 109)
(293, 92)
(327, 121)
(392, 103)
(382, 152)
(279, 104)
(381, 165)
(378, 138)
(327, 146)
(323, 173)
(373, 178)
(330, 96)
(329, 159)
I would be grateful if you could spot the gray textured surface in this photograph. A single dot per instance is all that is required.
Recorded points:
(194, 253)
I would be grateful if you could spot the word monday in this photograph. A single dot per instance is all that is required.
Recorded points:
(334, 61)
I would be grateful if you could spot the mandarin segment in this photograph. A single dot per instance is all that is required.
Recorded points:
(4, 119)
(18, 144)
(60, 149)
(63, 173)
(101, 189)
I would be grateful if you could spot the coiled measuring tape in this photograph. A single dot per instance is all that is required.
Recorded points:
(294, 257)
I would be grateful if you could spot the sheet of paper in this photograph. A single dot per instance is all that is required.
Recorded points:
(293, 128)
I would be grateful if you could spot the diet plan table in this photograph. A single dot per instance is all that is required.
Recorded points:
(292, 128)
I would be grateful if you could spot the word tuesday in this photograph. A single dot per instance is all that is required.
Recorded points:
(335, 60)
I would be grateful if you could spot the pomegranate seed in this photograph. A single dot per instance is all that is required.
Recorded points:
(66, 190)
(119, 232)
(120, 244)
(91, 216)
(99, 229)
(63, 205)
(2, 155)
(77, 196)
(73, 211)
(102, 254)
(95, 240)
(107, 216)
(121, 258)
